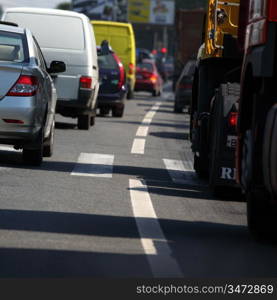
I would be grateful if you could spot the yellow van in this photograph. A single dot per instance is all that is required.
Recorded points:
(122, 39)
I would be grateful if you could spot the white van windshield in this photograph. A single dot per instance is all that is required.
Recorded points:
(51, 31)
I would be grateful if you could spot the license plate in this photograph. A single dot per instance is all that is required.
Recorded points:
(139, 77)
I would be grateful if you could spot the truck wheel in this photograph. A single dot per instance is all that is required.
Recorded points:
(201, 162)
(247, 158)
(213, 152)
(48, 144)
(34, 156)
(83, 122)
(261, 215)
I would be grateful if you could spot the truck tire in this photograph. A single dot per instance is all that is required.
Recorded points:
(220, 156)
(270, 152)
(201, 165)
(217, 191)
(261, 215)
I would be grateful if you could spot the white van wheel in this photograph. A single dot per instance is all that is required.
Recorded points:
(83, 122)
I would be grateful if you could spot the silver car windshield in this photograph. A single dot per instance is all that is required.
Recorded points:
(11, 47)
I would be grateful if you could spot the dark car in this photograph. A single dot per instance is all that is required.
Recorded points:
(183, 89)
(112, 90)
(142, 53)
(148, 78)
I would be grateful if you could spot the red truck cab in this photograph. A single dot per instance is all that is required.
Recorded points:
(256, 157)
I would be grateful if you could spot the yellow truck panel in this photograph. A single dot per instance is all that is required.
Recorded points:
(122, 39)
(222, 19)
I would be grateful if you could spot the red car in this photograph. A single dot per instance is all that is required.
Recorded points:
(148, 78)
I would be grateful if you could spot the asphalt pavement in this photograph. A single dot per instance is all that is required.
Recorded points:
(122, 200)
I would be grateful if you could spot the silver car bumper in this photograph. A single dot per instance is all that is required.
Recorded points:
(27, 112)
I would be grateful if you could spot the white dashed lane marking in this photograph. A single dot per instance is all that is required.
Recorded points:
(181, 172)
(94, 165)
(138, 146)
(153, 241)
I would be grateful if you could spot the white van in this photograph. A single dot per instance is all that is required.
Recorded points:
(69, 37)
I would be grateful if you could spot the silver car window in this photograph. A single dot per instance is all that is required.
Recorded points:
(11, 47)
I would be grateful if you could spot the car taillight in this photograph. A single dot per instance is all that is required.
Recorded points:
(25, 86)
(153, 78)
(85, 82)
(233, 119)
(131, 69)
(12, 121)
(121, 71)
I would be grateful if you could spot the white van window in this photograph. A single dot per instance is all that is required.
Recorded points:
(51, 31)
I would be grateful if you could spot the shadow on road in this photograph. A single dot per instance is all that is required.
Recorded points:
(171, 135)
(159, 124)
(202, 249)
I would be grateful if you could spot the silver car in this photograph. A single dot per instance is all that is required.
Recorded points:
(27, 94)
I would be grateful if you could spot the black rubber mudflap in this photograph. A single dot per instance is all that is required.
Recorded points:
(223, 137)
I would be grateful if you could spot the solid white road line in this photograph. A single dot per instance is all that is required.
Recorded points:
(180, 171)
(153, 241)
(94, 165)
(138, 146)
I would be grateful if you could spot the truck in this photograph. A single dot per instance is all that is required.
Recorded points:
(256, 156)
(188, 31)
(215, 94)
(234, 108)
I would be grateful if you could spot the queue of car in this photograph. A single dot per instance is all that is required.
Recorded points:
(58, 73)
(80, 67)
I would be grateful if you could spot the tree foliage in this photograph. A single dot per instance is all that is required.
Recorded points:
(64, 6)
